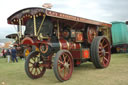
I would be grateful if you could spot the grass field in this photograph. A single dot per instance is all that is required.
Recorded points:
(85, 74)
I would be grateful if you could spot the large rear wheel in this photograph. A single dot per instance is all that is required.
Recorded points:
(33, 66)
(100, 52)
(63, 65)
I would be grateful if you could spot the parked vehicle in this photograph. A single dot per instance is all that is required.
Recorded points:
(119, 32)
(67, 39)
(16, 44)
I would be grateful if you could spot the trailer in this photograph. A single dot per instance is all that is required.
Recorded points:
(119, 33)
(61, 41)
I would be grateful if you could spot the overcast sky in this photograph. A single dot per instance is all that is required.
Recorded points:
(101, 10)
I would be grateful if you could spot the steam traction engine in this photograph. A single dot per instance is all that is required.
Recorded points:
(60, 41)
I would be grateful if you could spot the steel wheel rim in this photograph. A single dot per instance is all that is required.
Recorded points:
(34, 66)
(104, 52)
(65, 66)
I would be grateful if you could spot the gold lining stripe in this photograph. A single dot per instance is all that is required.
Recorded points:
(80, 45)
(60, 45)
(67, 44)
(74, 45)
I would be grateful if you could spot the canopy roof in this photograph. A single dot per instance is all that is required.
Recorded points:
(27, 13)
(12, 36)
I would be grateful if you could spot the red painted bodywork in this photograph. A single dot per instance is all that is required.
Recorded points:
(76, 54)
(27, 40)
(74, 48)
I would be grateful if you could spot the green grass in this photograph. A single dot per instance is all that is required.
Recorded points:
(85, 74)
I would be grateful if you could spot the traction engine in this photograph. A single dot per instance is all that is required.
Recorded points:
(60, 41)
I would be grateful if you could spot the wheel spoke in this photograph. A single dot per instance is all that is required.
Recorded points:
(38, 72)
(100, 55)
(38, 58)
(39, 69)
(101, 58)
(64, 58)
(60, 58)
(107, 52)
(64, 72)
(61, 69)
(60, 62)
(105, 59)
(68, 60)
(103, 63)
(103, 41)
(33, 59)
(68, 69)
(100, 47)
(101, 44)
(105, 45)
(30, 62)
(35, 71)
(30, 66)
(100, 51)
(32, 70)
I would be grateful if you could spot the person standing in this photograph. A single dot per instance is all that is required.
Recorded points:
(4, 53)
(8, 53)
(13, 54)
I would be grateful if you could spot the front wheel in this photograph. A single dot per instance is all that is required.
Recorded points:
(100, 52)
(33, 66)
(63, 65)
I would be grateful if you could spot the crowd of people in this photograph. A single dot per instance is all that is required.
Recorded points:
(10, 54)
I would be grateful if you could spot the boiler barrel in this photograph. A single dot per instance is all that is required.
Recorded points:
(63, 44)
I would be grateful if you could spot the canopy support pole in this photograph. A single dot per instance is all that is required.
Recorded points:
(34, 21)
(41, 24)
(58, 29)
(19, 30)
